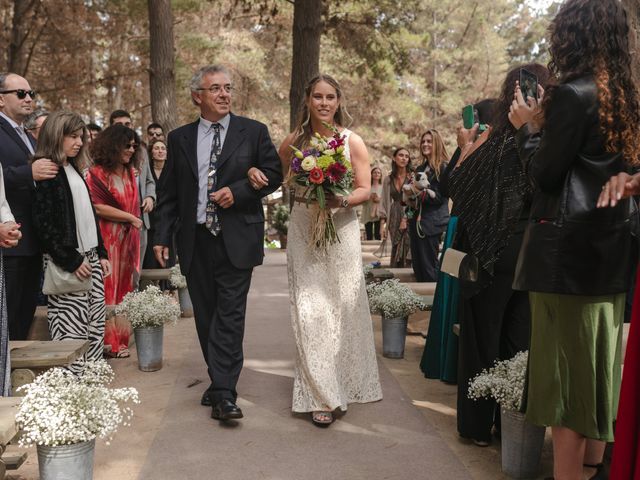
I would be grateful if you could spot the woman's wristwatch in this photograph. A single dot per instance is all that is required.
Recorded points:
(345, 202)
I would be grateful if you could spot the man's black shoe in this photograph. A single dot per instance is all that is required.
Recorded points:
(205, 401)
(226, 410)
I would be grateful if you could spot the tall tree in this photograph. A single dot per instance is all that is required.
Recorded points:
(633, 10)
(305, 64)
(161, 72)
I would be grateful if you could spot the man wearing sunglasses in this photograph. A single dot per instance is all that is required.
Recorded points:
(22, 264)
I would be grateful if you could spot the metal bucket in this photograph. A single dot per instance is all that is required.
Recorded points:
(394, 333)
(521, 445)
(185, 302)
(149, 348)
(66, 462)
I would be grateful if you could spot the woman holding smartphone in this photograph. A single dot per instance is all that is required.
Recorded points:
(576, 260)
(67, 227)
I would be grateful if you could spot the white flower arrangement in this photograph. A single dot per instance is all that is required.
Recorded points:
(176, 279)
(366, 269)
(149, 308)
(504, 382)
(60, 408)
(393, 299)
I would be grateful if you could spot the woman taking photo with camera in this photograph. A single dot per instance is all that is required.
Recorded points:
(576, 259)
(66, 225)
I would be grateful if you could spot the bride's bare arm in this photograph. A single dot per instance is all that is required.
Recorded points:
(361, 171)
(285, 153)
(258, 179)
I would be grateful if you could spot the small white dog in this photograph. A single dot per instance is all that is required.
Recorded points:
(411, 191)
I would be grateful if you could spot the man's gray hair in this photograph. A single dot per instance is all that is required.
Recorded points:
(196, 80)
(30, 121)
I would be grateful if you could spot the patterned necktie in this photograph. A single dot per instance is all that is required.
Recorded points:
(213, 222)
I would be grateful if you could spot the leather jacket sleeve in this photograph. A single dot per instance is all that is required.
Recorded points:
(547, 158)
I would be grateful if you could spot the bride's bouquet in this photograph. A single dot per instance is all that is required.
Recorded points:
(323, 170)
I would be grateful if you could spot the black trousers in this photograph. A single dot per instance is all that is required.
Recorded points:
(494, 324)
(424, 254)
(218, 292)
(372, 230)
(22, 278)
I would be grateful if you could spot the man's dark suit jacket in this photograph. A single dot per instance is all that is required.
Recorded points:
(18, 183)
(247, 144)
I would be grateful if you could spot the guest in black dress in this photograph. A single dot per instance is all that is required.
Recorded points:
(491, 196)
(158, 156)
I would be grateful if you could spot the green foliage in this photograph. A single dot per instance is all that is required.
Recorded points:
(281, 219)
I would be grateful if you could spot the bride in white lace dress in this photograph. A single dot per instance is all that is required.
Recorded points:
(336, 360)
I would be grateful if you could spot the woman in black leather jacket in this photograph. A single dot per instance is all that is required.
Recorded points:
(576, 259)
(67, 227)
(429, 216)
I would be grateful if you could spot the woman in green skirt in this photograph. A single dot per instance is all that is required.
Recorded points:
(576, 259)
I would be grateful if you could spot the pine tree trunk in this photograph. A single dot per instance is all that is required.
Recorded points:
(633, 10)
(161, 71)
(307, 31)
(17, 61)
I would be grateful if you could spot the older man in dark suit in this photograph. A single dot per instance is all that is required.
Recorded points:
(23, 264)
(206, 195)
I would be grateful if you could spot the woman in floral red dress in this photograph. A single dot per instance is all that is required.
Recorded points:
(113, 184)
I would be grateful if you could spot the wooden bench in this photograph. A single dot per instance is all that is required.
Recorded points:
(31, 357)
(8, 430)
(151, 276)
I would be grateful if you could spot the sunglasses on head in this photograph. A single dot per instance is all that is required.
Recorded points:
(21, 94)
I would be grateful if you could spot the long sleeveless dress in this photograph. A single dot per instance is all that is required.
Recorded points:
(335, 353)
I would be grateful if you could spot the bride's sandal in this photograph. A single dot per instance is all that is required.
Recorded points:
(322, 419)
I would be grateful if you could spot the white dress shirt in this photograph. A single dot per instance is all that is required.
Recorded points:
(85, 221)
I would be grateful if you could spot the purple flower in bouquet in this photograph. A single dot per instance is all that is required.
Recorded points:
(295, 165)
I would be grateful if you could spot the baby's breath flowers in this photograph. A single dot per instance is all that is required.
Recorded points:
(392, 299)
(149, 308)
(176, 279)
(504, 382)
(60, 408)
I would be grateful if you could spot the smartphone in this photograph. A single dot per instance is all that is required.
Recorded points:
(528, 84)
(469, 116)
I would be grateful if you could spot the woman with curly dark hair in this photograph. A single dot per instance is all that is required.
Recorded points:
(113, 184)
(576, 259)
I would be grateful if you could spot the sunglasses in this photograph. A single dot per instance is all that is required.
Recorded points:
(130, 146)
(22, 94)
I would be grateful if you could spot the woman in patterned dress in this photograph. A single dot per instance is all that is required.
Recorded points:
(114, 191)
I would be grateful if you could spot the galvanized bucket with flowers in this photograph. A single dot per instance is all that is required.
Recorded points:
(62, 414)
(394, 301)
(521, 441)
(179, 281)
(148, 311)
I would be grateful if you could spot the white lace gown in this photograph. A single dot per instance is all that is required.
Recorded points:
(336, 359)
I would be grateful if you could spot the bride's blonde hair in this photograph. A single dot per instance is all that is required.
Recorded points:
(302, 132)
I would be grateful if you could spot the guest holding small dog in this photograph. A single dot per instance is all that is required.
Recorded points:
(394, 222)
(428, 213)
(491, 197)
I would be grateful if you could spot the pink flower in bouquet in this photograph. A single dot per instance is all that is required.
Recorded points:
(335, 172)
(316, 176)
